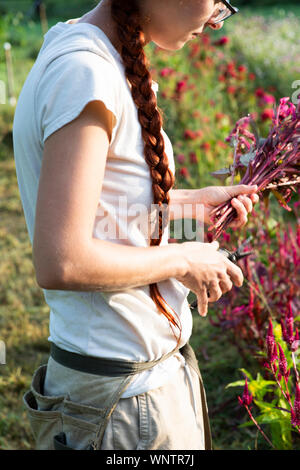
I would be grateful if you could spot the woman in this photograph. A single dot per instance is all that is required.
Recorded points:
(89, 148)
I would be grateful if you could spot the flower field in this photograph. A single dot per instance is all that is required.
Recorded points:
(251, 333)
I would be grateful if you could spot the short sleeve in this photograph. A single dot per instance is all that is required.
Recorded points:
(69, 83)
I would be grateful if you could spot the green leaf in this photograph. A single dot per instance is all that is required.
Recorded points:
(238, 383)
(246, 373)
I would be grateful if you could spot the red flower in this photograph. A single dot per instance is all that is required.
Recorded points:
(184, 172)
(219, 116)
(259, 93)
(205, 146)
(193, 157)
(222, 41)
(252, 76)
(267, 114)
(231, 89)
(222, 144)
(242, 68)
(222, 78)
(188, 134)
(181, 86)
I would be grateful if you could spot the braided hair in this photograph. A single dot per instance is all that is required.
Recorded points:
(132, 39)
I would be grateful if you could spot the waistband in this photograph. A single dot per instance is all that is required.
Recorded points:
(103, 366)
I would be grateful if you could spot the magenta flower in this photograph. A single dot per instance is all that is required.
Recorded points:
(273, 163)
(247, 397)
(271, 345)
(181, 86)
(180, 158)
(283, 367)
(269, 99)
(295, 411)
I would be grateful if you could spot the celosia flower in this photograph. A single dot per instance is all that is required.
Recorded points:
(242, 68)
(246, 397)
(180, 158)
(273, 164)
(271, 345)
(295, 411)
(283, 368)
(205, 146)
(222, 41)
(181, 86)
(259, 93)
(184, 172)
(269, 99)
(193, 157)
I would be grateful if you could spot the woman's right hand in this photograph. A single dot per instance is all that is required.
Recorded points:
(208, 270)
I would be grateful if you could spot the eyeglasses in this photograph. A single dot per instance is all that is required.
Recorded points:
(223, 11)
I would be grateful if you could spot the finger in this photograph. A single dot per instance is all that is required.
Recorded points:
(241, 212)
(254, 198)
(234, 272)
(225, 284)
(202, 302)
(215, 292)
(247, 203)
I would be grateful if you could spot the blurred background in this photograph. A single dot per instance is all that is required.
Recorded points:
(246, 67)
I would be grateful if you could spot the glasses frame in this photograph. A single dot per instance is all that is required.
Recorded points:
(233, 10)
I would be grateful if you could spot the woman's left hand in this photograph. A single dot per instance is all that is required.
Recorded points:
(243, 198)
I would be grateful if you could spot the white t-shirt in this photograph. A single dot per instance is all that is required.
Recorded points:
(78, 64)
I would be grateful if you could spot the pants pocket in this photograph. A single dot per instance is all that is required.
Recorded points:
(57, 421)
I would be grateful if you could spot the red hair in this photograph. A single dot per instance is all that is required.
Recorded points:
(132, 39)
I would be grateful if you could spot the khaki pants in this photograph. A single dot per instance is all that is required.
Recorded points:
(74, 402)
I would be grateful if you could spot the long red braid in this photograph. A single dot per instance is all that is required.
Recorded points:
(132, 40)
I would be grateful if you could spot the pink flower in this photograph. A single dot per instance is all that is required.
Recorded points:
(269, 99)
(283, 368)
(180, 158)
(271, 345)
(295, 411)
(166, 71)
(247, 397)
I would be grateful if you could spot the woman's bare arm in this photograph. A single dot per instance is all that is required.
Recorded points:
(65, 254)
